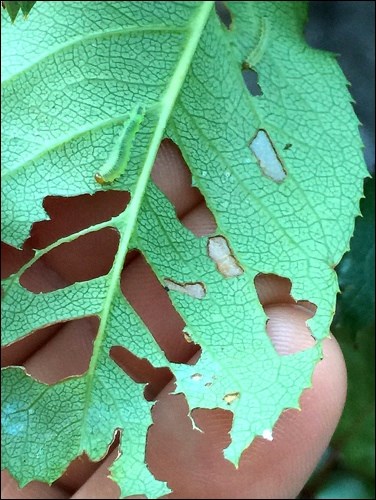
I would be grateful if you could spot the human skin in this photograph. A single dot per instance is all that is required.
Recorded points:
(191, 462)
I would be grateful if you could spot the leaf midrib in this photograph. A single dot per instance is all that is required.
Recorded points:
(195, 28)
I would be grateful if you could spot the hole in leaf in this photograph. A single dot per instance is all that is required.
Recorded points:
(71, 214)
(141, 371)
(173, 177)
(200, 221)
(130, 257)
(66, 354)
(82, 259)
(74, 261)
(273, 289)
(172, 413)
(224, 14)
(12, 258)
(267, 157)
(18, 352)
(39, 277)
(286, 324)
(151, 301)
(81, 469)
(250, 78)
(171, 174)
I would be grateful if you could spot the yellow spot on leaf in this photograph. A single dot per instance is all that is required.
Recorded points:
(231, 397)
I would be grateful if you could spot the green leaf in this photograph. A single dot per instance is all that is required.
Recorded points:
(13, 8)
(26, 7)
(72, 78)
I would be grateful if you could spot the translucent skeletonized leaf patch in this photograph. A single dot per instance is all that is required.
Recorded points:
(267, 157)
(195, 290)
(220, 252)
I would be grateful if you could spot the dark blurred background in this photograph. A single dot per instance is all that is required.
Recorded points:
(348, 29)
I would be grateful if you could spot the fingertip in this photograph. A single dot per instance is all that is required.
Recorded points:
(268, 469)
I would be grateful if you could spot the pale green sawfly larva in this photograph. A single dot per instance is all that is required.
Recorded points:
(119, 156)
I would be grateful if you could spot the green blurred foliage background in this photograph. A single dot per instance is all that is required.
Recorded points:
(347, 469)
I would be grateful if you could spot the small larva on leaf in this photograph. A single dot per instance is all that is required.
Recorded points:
(119, 156)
